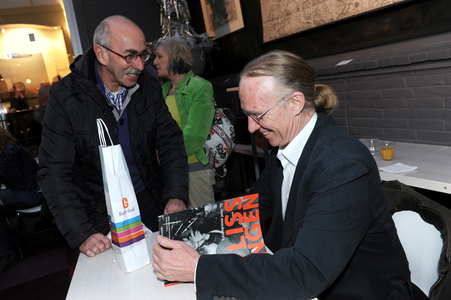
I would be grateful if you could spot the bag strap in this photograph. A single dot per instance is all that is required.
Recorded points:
(186, 84)
(101, 128)
(189, 79)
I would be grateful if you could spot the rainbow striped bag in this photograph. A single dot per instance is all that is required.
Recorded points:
(127, 231)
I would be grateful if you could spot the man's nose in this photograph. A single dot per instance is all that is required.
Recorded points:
(139, 64)
(252, 126)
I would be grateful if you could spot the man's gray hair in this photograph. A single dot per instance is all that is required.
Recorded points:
(102, 34)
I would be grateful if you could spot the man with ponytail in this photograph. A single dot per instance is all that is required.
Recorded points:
(331, 230)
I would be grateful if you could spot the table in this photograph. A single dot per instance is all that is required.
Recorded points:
(247, 150)
(97, 278)
(433, 162)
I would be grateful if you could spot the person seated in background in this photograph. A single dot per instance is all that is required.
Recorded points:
(19, 100)
(43, 96)
(190, 101)
(331, 231)
(18, 174)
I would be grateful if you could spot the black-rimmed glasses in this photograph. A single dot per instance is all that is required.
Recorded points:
(130, 58)
(258, 118)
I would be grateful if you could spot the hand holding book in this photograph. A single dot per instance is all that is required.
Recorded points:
(174, 260)
(228, 227)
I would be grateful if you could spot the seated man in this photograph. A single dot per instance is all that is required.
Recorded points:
(331, 232)
(19, 100)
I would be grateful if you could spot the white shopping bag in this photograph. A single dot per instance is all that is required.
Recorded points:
(127, 234)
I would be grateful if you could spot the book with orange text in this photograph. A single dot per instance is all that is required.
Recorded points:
(229, 226)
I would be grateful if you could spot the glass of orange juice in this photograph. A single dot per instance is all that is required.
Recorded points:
(387, 149)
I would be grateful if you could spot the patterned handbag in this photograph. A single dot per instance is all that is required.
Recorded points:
(221, 139)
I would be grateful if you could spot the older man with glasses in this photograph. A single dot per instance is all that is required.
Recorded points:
(108, 82)
(331, 231)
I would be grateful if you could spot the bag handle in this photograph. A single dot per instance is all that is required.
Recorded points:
(101, 128)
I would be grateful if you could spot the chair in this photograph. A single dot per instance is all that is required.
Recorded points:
(418, 219)
(423, 244)
(20, 212)
(22, 231)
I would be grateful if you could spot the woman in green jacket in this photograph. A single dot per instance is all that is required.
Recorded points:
(190, 101)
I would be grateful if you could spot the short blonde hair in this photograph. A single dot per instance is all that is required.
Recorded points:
(179, 53)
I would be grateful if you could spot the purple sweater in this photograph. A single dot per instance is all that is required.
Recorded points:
(124, 139)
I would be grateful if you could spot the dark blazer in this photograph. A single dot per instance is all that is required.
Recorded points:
(338, 240)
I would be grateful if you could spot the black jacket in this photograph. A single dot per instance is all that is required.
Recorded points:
(337, 241)
(70, 173)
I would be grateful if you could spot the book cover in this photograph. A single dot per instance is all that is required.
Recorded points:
(229, 226)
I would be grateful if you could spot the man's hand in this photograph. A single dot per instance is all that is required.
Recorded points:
(95, 244)
(19, 94)
(174, 205)
(178, 263)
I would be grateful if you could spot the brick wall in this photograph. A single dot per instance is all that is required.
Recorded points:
(393, 93)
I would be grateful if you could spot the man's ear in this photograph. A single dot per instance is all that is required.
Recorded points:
(297, 102)
(101, 55)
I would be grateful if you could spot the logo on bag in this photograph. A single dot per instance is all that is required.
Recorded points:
(125, 202)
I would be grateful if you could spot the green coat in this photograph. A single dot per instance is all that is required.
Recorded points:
(196, 109)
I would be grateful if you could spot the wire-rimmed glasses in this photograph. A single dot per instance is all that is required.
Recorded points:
(258, 118)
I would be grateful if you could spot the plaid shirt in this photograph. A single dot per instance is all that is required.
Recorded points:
(116, 98)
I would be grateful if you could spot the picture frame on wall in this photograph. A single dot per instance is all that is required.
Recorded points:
(222, 17)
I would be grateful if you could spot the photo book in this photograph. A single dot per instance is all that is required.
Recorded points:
(228, 226)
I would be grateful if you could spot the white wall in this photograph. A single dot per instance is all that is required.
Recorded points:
(48, 40)
(22, 3)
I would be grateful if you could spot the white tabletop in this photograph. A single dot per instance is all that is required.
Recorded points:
(247, 150)
(100, 278)
(433, 162)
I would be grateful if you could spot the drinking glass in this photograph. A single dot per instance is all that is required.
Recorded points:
(387, 149)
(372, 145)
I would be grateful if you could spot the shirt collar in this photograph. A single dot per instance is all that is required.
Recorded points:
(102, 87)
(292, 152)
(120, 93)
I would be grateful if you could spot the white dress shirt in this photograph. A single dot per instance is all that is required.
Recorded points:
(289, 158)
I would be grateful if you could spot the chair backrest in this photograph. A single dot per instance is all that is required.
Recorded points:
(423, 244)
(30, 210)
(403, 198)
